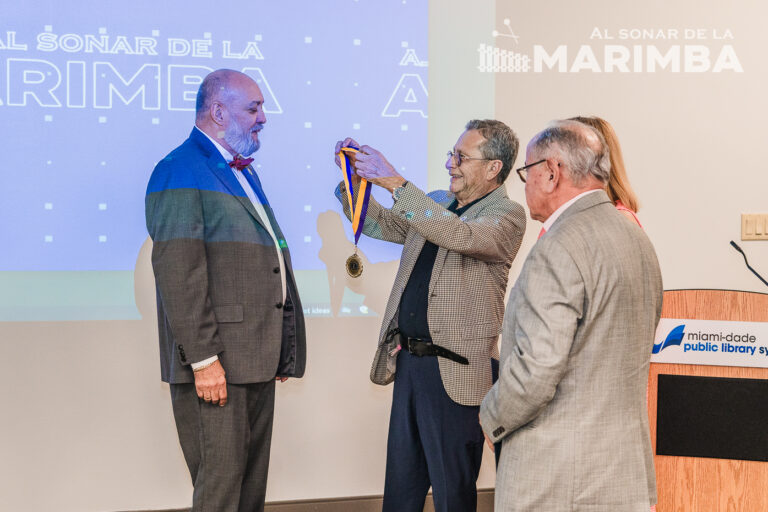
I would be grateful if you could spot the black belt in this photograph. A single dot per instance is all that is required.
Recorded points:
(420, 347)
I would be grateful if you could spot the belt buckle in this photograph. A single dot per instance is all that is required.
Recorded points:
(420, 349)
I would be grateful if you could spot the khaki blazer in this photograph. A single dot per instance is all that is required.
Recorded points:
(570, 402)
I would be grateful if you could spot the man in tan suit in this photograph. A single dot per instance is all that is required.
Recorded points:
(569, 405)
(444, 314)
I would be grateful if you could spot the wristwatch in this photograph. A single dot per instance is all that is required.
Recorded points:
(399, 190)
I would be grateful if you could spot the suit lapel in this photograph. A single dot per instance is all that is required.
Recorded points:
(583, 203)
(219, 167)
(442, 252)
(413, 249)
(223, 172)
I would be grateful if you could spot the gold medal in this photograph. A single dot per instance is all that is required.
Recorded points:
(359, 210)
(354, 266)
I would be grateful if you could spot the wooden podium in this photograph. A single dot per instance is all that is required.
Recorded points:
(692, 484)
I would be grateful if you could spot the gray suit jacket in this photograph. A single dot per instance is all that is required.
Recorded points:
(570, 401)
(217, 273)
(468, 282)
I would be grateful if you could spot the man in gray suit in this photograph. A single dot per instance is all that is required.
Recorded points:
(569, 405)
(230, 319)
(442, 321)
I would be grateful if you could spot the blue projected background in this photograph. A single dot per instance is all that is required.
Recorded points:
(91, 98)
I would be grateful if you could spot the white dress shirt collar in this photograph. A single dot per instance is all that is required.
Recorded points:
(552, 218)
(224, 153)
(257, 205)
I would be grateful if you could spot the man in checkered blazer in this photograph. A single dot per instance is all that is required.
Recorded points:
(438, 340)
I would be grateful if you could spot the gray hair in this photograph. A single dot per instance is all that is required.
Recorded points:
(581, 147)
(500, 144)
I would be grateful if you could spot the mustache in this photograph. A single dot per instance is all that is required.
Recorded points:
(258, 127)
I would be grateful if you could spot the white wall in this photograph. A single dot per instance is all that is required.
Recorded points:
(692, 142)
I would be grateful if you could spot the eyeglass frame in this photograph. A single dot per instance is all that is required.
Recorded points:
(525, 168)
(458, 158)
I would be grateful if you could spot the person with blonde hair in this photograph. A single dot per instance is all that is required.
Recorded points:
(618, 188)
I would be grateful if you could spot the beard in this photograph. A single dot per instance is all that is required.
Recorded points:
(240, 139)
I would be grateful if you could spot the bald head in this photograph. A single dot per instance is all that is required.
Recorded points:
(230, 110)
(217, 86)
(591, 137)
(565, 159)
(580, 147)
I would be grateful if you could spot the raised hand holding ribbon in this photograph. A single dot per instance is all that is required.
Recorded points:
(371, 165)
(345, 158)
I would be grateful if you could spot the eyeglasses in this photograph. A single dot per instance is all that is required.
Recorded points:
(458, 157)
(523, 171)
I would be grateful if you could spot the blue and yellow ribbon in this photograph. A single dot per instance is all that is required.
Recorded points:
(359, 209)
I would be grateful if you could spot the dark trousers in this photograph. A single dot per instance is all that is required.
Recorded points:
(432, 441)
(226, 448)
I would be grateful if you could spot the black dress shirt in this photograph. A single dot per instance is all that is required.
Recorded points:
(412, 318)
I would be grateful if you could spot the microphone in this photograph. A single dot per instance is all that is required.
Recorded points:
(735, 246)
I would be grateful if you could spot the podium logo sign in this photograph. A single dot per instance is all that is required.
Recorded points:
(675, 337)
(711, 342)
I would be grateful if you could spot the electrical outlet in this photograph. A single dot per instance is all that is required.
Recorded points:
(754, 226)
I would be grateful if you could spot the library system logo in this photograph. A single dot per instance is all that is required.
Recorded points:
(675, 337)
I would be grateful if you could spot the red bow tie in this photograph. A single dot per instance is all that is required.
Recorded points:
(240, 163)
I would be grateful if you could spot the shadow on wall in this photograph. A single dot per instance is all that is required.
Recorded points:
(377, 278)
(144, 283)
(93, 415)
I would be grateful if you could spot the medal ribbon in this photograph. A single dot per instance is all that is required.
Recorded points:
(360, 209)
